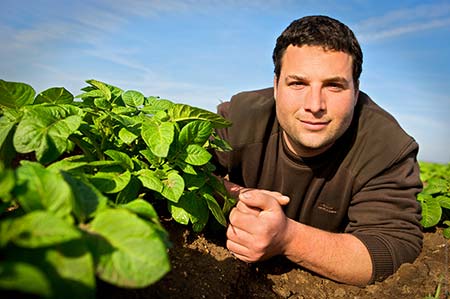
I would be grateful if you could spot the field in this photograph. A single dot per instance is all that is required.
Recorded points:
(121, 169)
(203, 268)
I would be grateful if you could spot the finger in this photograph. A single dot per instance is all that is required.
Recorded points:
(243, 220)
(246, 209)
(242, 257)
(239, 251)
(238, 235)
(260, 200)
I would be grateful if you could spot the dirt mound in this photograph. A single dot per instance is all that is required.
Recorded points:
(203, 268)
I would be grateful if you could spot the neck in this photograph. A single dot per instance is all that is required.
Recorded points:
(302, 151)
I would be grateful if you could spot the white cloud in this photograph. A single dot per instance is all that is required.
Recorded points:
(151, 8)
(404, 29)
(404, 21)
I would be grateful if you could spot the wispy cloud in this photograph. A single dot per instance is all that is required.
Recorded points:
(409, 20)
(151, 8)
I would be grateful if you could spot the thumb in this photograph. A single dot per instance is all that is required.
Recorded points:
(282, 199)
(263, 200)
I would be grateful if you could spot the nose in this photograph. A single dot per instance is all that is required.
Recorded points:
(315, 101)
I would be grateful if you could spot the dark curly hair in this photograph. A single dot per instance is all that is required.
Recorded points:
(319, 31)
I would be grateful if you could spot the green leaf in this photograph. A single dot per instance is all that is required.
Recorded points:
(431, 210)
(5, 228)
(7, 182)
(130, 192)
(68, 267)
(185, 167)
(102, 87)
(158, 136)
(127, 136)
(41, 189)
(111, 182)
(121, 111)
(196, 132)
(133, 98)
(150, 180)
(436, 186)
(75, 275)
(55, 95)
(23, 277)
(15, 94)
(196, 155)
(67, 164)
(46, 130)
(40, 229)
(6, 128)
(179, 213)
(215, 208)
(103, 163)
(142, 208)
(194, 182)
(446, 230)
(150, 157)
(102, 103)
(444, 201)
(190, 207)
(123, 158)
(7, 150)
(198, 210)
(128, 251)
(87, 200)
(154, 104)
(173, 187)
(182, 112)
(219, 144)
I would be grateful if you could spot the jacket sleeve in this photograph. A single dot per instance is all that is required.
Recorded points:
(385, 215)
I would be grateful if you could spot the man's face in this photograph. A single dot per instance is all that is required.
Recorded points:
(315, 98)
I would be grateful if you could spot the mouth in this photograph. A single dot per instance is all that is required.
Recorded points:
(314, 125)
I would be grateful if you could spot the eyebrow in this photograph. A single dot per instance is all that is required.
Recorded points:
(295, 77)
(337, 79)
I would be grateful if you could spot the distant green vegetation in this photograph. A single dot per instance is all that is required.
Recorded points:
(435, 197)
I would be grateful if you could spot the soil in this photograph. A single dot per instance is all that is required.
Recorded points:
(202, 267)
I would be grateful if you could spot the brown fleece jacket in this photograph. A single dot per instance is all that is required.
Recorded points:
(365, 184)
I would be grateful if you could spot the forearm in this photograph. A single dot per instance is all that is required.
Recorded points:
(339, 256)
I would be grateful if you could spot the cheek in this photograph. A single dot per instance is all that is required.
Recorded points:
(284, 111)
(341, 107)
(344, 115)
(287, 103)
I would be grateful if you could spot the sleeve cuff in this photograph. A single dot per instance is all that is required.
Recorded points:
(382, 261)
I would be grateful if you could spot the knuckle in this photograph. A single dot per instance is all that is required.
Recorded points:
(230, 232)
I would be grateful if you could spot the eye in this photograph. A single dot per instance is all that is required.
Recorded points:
(297, 84)
(335, 86)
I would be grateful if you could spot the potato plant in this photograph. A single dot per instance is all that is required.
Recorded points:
(79, 177)
(435, 197)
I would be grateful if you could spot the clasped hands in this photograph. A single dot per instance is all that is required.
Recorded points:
(258, 226)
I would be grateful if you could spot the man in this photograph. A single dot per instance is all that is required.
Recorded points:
(323, 175)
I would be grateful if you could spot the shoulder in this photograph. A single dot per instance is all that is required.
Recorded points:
(379, 127)
(256, 101)
(379, 142)
(251, 113)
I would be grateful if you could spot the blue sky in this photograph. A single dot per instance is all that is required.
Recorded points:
(202, 52)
